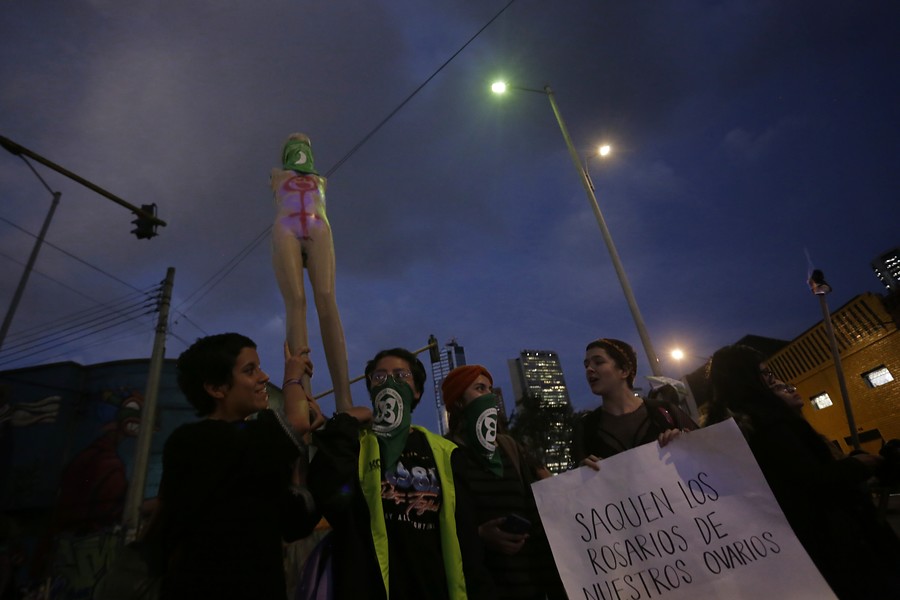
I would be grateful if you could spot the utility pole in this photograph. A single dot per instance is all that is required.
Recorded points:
(20, 289)
(135, 497)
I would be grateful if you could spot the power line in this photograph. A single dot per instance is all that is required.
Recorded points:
(75, 319)
(119, 321)
(416, 91)
(77, 326)
(56, 281)
(84, 324)
(115, 336)
(108, 305)
(219, 275)
(188, 319)
(70, 255)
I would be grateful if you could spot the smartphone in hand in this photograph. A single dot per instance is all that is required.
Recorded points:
(515, 524)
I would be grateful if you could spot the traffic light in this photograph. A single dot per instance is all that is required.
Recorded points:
(433, 351)
(144, 227)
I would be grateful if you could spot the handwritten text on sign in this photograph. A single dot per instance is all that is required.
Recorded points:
(695, 517)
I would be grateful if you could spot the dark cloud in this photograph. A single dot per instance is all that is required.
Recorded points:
(744, 133)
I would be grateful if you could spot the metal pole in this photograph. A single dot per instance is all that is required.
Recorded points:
(607, 238)
(848, 408)
(363, 376)
(135, 496)
(28, 267)
(18, 150)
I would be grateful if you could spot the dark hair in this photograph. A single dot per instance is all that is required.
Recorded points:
(415, 366)
(738, 387)
(665, 394)
(621, 353)
(209, 361)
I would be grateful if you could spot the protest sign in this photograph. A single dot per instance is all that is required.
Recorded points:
(695, 519)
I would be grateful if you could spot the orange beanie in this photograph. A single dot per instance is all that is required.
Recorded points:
(456, 382)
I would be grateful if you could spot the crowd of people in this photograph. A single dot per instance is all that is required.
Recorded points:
(415, 515)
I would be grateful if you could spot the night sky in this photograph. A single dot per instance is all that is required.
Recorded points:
(747, 136)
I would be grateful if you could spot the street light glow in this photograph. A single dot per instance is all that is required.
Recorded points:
(500, 87)
(677, 354)
(604, 150)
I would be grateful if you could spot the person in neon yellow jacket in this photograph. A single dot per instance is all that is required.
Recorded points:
(400, 511)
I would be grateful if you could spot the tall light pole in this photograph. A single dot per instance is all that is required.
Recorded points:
(820, 288)
(499, 88)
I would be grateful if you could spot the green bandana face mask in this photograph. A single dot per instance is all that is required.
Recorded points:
(297, 156)
(481, 430)
(392, 415)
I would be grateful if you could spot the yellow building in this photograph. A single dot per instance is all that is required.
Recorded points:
(869, 345)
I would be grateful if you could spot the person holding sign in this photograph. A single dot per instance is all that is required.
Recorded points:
(823, 498)
(624, 420)
(517, 554)
(396, 497)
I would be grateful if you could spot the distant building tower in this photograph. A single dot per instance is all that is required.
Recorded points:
(539, 373)
(887, 269)
(501, 403)
(442, 362)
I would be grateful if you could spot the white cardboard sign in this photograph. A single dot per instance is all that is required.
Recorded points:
(695, 519)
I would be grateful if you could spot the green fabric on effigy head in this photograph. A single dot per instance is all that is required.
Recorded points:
(297, 156)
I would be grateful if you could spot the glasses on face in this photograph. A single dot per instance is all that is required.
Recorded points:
(380, 376)
(784, 387)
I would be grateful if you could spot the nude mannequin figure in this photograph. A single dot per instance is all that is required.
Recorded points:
(301, 237)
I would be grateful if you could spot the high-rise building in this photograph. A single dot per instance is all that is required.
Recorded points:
(887, 269)
(501, 403)
(539, 373)
(452, 355)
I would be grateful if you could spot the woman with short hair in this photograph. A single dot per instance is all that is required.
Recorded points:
(623, 420)
(227, 501)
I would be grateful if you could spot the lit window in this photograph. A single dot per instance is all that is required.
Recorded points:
(820, 401)
(879, 376)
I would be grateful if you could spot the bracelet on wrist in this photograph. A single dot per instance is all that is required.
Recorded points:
(288, 382)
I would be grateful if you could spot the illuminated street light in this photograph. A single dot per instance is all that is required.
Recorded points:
(602, 152)
(682, 356)
(500, 87)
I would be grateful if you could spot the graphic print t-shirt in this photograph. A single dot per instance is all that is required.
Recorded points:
(411, 498)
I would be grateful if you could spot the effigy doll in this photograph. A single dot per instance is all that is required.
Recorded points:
(301, 238)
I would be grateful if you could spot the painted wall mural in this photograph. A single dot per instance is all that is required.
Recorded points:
(67, 444)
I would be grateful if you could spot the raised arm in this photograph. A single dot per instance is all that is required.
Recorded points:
(297, 404)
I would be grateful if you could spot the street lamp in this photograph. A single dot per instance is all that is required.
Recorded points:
(500, 87)
(679, 354)
(819, 287)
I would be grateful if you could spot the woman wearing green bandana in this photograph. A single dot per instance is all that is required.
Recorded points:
(500, 476)
(400, 512)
